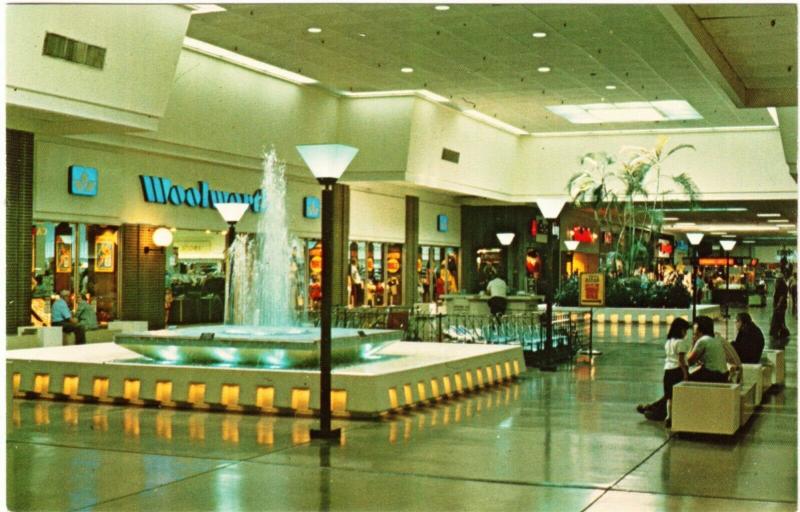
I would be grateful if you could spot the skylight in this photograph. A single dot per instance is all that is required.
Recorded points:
(628, 112)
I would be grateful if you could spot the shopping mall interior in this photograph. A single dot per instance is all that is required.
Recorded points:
(370, 256)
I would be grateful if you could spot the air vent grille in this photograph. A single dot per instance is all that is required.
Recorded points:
(65, 48)
(450, 155)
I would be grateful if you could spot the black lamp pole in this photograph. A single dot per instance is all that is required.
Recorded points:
(694, 283)
(229, 239)
(325, 431)
(547, 364)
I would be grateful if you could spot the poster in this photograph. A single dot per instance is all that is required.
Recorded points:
(593, 289)
(63, 258)
(104, 256)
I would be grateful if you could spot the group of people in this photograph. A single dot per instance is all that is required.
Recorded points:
(711, 352)
(73, 314)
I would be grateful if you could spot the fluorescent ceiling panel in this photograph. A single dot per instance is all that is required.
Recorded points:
(627, 112)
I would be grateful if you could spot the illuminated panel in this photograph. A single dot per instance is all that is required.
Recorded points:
(421, 390)
(468, 374)
(434, 388)
(614, 317)
(508, 369)
(656, 319)
(41, 382)
(489, 375)
(16, 382)
(164, 391)
(458, 382)
(642, 319)
(516, 367)
(100, 387)
(230, 395)
(130, 389)
(265, 398)
(301, 398)
(409, 398)
(670, 319)
(601, 317)
(393, 403)
(197, 393)
(628, 318)
(339, 400)
(446, 384)
(499, 372)
(70, 385)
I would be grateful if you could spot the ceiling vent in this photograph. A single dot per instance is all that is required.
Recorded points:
(450, 155)
(65, 48)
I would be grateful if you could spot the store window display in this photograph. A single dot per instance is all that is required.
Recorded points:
(195, 277)
(80, 258)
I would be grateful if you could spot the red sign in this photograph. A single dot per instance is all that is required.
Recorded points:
(534, 228)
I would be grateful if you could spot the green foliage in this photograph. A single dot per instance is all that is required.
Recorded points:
(630, 292)
(628, 200)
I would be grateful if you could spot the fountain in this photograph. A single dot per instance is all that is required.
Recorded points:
(264, 332)
(261, 360)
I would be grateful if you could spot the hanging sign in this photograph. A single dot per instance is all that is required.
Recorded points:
(593, 290)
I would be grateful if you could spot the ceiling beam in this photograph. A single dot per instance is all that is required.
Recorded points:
(690, 29)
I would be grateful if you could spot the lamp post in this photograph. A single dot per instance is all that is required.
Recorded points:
(327, 163)
(727, 247)
(505, 239)
(550, 208)
(694, 240)
(232, 213)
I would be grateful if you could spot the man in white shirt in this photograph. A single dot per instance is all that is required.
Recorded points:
(497, 290)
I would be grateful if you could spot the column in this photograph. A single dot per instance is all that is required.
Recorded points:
(341, 243)
(19, 220)
(410, 250)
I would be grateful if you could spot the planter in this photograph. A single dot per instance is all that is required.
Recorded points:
(641, 315)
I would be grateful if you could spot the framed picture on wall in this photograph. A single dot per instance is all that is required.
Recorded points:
(63, 257)
(104, 256)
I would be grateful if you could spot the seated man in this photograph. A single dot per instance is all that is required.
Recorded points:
(749, 341)
(710, 352)
(61, 316)
(85, 314)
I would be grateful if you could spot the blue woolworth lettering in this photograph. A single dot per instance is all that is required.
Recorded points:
(162, 191)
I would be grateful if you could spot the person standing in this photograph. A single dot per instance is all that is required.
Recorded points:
(85, 314)
(777, 326)
(792, 285)
(61, 316)
(497, 290)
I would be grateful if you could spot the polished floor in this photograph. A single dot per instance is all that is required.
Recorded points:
(564, 441)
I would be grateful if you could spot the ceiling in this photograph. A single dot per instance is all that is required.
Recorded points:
(724, 59)
(483, 56)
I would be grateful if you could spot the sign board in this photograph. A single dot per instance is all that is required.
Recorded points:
(441, 223)
(593, 290)
(161, 190)
(82, 180)
(311, 207)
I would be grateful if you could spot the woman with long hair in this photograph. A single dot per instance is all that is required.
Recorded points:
(675, 370)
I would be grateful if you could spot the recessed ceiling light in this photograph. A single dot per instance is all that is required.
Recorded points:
(611, 87)
(748, 241)
(361, 34)
(314, 30)
(539, 35)
(670, 218)
(543, 69)
(768, 215)
(442, 7)
(407, 70)
(778, 221)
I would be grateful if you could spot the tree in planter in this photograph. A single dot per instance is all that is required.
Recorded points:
(628, 199)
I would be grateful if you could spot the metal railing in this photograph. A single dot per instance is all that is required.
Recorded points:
(526, 329)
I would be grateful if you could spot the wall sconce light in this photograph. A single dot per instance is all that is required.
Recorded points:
(162, 237)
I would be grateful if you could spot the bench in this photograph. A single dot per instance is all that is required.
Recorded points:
(710, 407)
(759, 375)
(776, 357)
(46, 336)
(93, 336)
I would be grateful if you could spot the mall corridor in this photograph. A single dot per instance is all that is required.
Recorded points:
(564, 441)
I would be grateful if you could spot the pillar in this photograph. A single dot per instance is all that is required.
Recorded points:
(410, 251)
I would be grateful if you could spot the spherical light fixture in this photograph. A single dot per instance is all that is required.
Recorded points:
(162, 237)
